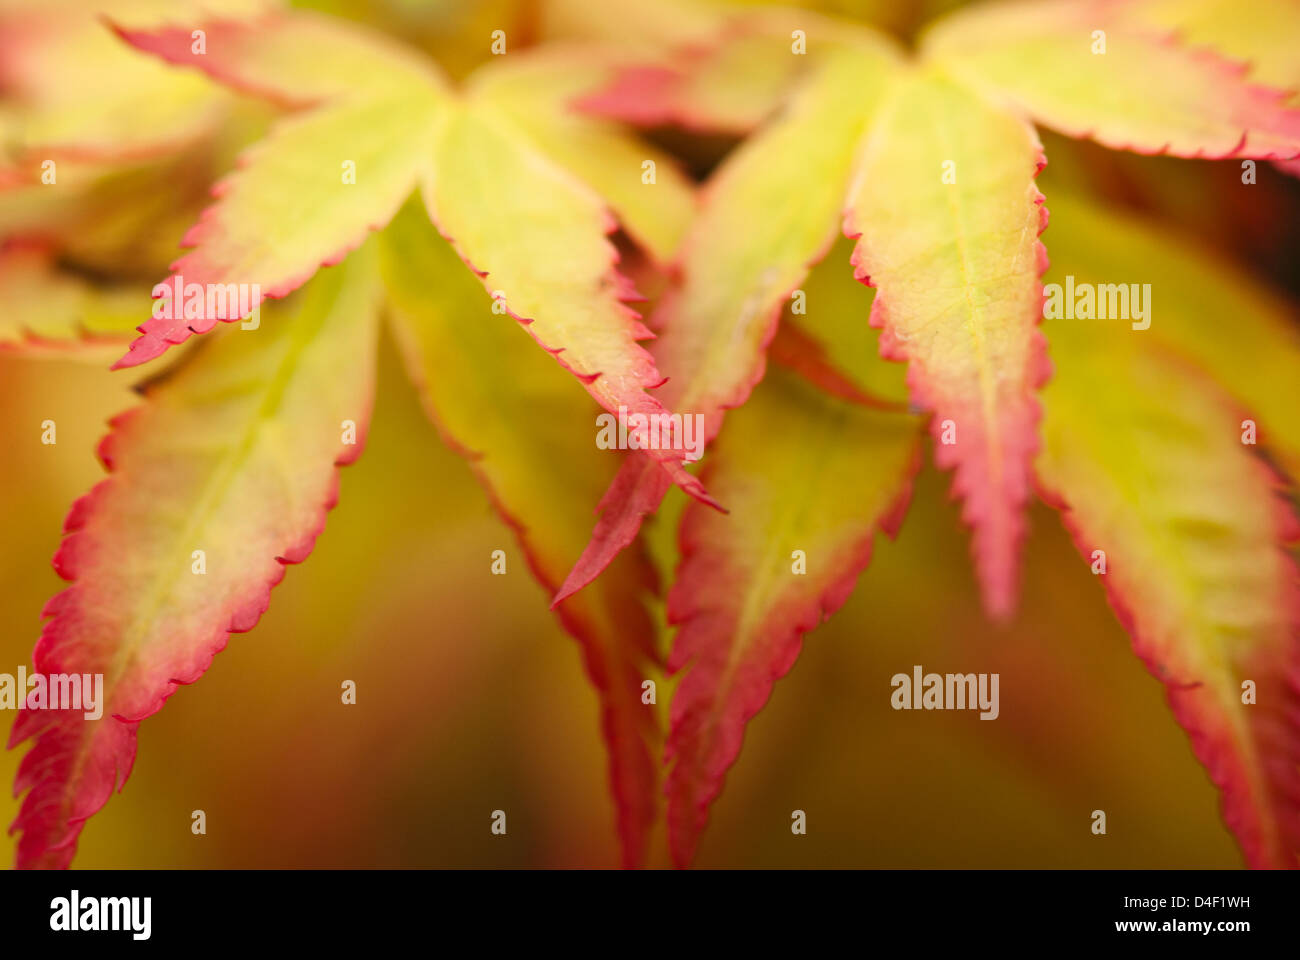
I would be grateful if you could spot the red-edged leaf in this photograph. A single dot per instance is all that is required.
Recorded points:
(809, 478)
(297, 60)
(1084, 68)
(235, 456)
(1186, 530)
(536, 235)
(767, 215)
(311, 191)
(947, 219)
(1253, 356)
(1265, 38)
(528, 436)
(508, 207)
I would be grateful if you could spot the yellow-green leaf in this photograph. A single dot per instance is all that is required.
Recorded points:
(808, 478)
(1185, 529)
(217, 482)
(536, 235)
(1084, 69)
(1200, 305)
(296, 59)
(529, 437)
(1264, 35)
(643, 185)
(947, 219)
(308, 194)
(768, 213)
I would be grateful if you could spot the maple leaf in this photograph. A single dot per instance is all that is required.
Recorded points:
(752, 583)
(961, 309)
(380, 123)
(967, 330)
(289, 207)
(1263, 43)
(716, 327)
(222, 478)
(1251, 358)
(1199, 576)
(103, 153)
(536, 92)
(870, 185)
(497, 402)
(516, 102)
(937, 189)
(1085, 70)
